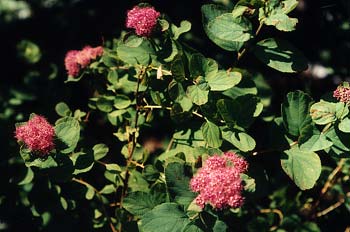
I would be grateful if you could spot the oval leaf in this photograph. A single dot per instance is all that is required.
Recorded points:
(280, 55)
(303, 167)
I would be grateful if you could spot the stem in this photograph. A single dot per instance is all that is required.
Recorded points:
(132, 139)
(329, 183)
(98, 194)
(171, 142)
(155, 107)
(330, 208)
(166, 72)
(241, 53)
(169, 108)
(332, 176)
(275, 211)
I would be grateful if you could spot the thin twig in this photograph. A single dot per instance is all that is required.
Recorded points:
(241, 53)
(137, 164)
(329, 183)
(133, 138)
(170, 145)
(331, 177)
(155, 107)
(330, 208)
(275, 211)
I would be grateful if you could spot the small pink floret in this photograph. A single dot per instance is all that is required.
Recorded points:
(219, 181)
(143, 20)
(76, 60)
(37, 134)
(342, 93)
(71, 64)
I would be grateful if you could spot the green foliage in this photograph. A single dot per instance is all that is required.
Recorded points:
(303, 167)
(280, 55)
(158, 109)
(224, 29)
(295, 112)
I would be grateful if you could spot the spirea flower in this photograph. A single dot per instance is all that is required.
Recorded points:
(76, 60)
(37, 134)
(219, 181)
(342, 93)
(143, 20)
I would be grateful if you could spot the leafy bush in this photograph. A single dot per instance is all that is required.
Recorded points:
(227, 160)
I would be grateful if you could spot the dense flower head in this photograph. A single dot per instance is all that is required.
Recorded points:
(219, 181)
(37, 134)
(342, 93)
(76, 60)
(142, 19)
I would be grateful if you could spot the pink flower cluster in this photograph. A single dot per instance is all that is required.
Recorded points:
(37, 134)
(76, 60)
(143, 20)
(219, 182)
(342, 93)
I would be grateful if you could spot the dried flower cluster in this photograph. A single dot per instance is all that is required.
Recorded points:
(342, 93)
(219, 181)
(143, 20)
(37, 134)
(76, 60)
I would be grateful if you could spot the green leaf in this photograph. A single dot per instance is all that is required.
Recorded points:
(83, 162)
(100, 151)
(281, 21)
(178, 69)
(340, 140)
(202, 67)
(280, 55)
(342, 110)
(62, 109)
(239, 139)
(303, 167)
(185, 26)
(133, 41)
(249, 183)
(245, 86)
(289, 5)
(178, 183)
(316, 142)
(169, 51)
(150, 173)
(142, 54)
(240, 111)
(121, 101)
(32, 161)
(211, 134)
(225, 30)
(108, 189)
(112, 77)
(344, 125)
(113, 168)
(223, 80)
(323, 112)
(68, 133)
(139, 203)
(220, 226)
(295, 112)
(90, 192)
(197, 95)
(137, 182)
(27, 50)
(167, 217)
(28, 177)
(105, 104)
